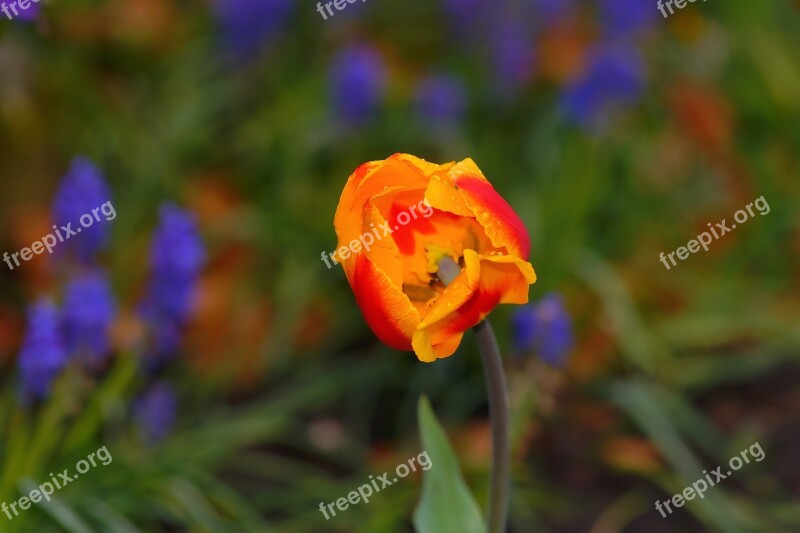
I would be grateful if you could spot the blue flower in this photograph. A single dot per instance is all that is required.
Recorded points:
(30, 14)
(165, 334)
(440, 100)
(614, 78)
(42, 356)
(177, 256)
(357, 80)
(89, 310)
(549, 12)
(544, 328)
(626, 18)
(155, 412)
(512, 53)
(249, 25)
(82, 189)
(469, 16)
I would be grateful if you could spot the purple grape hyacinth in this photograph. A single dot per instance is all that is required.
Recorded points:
(548, 12)
(544, 328)
(512, 53)
(249, 25)
(468, 16)
(30, 13)
(165, 333)
(357, 79)
(621, 19)
(503, 28)
(155, 412)
(614, 78)
(440, 100)
(42, 356)
(81, 190)
(177, 256)
(89, 310)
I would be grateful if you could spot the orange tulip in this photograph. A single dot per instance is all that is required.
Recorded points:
(397, 219)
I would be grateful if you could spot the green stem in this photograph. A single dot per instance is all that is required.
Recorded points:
(497, 394)
(498, 414)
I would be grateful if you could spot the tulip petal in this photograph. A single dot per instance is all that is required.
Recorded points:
(457, 292)
(383, 252)
(443, 195)
(467, 166)
(503, 279)
(502, 225)
(428, 352)
(369, 180)
(386, 309)
(421, 344)
(449, 345)
(420, 165)
(508, 276)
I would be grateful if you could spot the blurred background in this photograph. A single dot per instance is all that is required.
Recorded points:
(200, 338)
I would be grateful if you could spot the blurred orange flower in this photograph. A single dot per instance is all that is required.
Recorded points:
(632, 454)
(460, 216)
(563, 50)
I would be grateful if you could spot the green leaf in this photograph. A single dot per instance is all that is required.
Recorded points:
(446, 504)
(67, 517)
(108, 397)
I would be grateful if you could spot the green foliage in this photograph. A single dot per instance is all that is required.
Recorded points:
(446, 504)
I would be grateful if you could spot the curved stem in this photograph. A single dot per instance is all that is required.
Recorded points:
(498, 410)
(498, 413)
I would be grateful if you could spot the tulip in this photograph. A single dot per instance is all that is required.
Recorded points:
(455, 249)
(416, 214)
